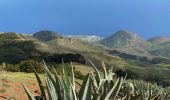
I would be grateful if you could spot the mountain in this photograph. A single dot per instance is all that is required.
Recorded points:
(46, 35)
(159, 40)
(161, 46)
(86, 38)
(126, 42)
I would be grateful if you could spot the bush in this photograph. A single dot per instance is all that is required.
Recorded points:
(25, 66)
(68, 57)
(12, 68)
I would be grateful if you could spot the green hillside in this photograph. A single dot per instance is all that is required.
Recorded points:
(76, 44)
(127, 42)
(46, 35)
(161, 46)
(162, 50)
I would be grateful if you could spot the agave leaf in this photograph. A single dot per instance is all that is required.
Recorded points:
(66, 76)
(74, 94)
(105, 88)
(85, 90)
(110, 75)
(98, 78)
(40, 84)
(66, 90)
(114, 91)
(51, 90)
(71, 93)
(101, 84)
(73, 86)
(155, 96)
(93, 78)
(104, 70)
(150, 92)
(50, 77)
(72, 77)
(30, 96)
(94, 89)
(133, 89)
(58, 84)
(48, 90)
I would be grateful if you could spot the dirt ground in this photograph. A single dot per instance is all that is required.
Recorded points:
(11, 86)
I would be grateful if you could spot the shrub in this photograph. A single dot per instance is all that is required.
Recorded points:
(25, 66)
(12, 68)
(67, 57)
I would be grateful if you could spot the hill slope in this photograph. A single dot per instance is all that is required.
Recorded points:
(161, 46)
(76, 44)
(159, 40)
(126, 42)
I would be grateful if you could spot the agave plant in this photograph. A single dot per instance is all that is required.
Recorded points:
(95, 86)
(63, 87)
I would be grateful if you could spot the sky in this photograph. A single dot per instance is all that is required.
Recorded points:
(147, 18)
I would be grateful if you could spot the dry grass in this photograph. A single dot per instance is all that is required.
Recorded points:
(18, 76)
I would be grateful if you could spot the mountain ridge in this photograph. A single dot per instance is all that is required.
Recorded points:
(159, 40)
(129, 42)
(126, 41)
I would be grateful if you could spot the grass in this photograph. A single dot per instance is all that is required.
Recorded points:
(18, 76)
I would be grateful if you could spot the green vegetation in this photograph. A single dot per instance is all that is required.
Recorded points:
(16, 51)
(9, 36)
(76, 44)
(96, 87)
(46, 35)
(162, 50)
(126, 42)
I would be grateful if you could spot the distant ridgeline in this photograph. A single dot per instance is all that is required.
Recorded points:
(131, 43)
(154, 60)
(19, 47)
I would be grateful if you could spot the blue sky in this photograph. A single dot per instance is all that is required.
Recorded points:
(147, 18)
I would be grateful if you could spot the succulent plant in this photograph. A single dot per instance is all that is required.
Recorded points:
(95, 86)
